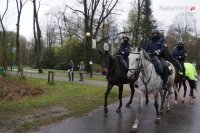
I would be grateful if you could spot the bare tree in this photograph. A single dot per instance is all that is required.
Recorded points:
(37, 35)
(20, 4)
(3, 39)
(94, 13)
(58, 22)
(50, 36)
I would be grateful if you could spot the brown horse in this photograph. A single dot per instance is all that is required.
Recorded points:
(179, 80)
(178, 77)
(115, 75)
(192, 85)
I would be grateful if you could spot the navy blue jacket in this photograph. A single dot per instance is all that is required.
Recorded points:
(124, 49)
(156, 45)
(179, 54)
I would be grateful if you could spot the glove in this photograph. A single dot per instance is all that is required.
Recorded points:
(122, 52)
(179, 57)
(156, 53)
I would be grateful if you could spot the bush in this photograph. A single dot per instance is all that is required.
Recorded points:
(96, 68)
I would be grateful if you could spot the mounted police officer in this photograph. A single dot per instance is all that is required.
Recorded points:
(179, 54)
(124, 52)
(156, 48)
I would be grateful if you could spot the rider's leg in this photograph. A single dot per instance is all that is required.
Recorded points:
(183, 69)
(165, 73)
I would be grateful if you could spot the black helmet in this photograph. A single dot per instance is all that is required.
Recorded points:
(125, 38)
(180, 43)
(154, 31)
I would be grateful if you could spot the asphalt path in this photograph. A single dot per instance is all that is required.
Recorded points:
(183, 118)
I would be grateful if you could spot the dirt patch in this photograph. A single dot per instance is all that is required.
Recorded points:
(15, 123)
(15, 88)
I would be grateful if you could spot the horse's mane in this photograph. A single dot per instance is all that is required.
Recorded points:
(146, 56)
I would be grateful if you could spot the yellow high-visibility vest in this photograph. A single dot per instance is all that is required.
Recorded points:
(190, 71)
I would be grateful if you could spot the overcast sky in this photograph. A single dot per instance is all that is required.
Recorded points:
(163, 10)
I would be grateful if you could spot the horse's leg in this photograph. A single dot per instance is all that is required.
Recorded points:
(120, 98)
(156, 105)
(147, 97)
(162, 100)
(168, 98)
(192, 86)
(179, 85)
(175, 85)
(139, 111)
(109, 88)
(185, 88)
(132, 94)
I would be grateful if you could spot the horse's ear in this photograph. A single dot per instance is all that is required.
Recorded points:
(132, 48)
(100, 52)
(106, 52)
(139, 49)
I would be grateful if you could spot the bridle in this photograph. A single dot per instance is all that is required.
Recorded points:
(138, 65)
(141, 69)
(108, 66)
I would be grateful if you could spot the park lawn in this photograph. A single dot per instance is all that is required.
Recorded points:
(73, 99)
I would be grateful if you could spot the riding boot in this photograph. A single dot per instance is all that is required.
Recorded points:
(125, 66)
(165, 78)
(183, 68)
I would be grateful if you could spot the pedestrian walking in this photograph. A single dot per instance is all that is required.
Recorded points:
(70, 70)
(81, 70)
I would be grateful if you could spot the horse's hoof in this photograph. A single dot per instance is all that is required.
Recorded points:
(118, 110)
(133, 129)
(161, 112)
(106, 110)
(182, 101)
(127, 105)
(147, 101)
(168, 110)
(157, 120)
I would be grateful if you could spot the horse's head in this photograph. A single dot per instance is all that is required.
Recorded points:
(134, 62)
(105, 62)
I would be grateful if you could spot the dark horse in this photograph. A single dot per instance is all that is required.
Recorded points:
(179, 78)
(115, 75)
(192, 85)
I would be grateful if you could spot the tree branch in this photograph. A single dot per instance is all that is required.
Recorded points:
(1, 18)
(75, 10)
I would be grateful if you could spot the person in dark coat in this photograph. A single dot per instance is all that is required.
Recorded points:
(180, 53)
(70, 70)
(156, 48)
(124, 51)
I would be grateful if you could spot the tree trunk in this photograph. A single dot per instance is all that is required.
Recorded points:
(137, 24)
(37, 36)
(18, 59)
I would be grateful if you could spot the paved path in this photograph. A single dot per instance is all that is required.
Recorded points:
(183, 118)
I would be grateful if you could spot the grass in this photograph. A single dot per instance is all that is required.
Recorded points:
(74, 95)
(78, 99)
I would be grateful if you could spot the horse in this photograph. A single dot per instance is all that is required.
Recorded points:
(190, 76)
(148, 81)
(179, 79)
(192, 85)
(115, 75)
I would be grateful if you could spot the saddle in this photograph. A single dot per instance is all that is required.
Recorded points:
(170, 70)
(179, 65)
(157, 64)
(159, 68)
